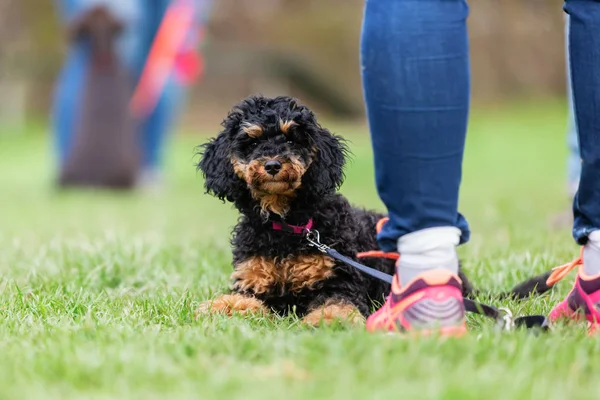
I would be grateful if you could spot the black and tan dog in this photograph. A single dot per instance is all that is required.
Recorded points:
(281, 170)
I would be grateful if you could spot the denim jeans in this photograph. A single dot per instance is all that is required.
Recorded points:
(584, 54)
(416, 82)
(141, 19)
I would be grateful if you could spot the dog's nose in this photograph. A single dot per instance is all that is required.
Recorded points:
(272, 167)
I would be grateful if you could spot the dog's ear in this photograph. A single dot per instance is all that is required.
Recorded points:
(326, 172)
(216, 167)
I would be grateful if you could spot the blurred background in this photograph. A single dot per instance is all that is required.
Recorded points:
(516, 157)
(307, 48)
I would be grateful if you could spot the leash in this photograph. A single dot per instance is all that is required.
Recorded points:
(503, 316)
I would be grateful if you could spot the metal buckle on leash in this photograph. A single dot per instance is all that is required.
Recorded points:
(314, 239)
(505, 320)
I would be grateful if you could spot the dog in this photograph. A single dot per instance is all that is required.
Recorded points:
(282, 170)
(105, 149)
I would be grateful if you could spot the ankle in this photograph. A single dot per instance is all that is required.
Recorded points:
(591, 254)
(421, 251)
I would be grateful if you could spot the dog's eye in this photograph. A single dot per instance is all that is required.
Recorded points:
(290, 142)
(254, 144)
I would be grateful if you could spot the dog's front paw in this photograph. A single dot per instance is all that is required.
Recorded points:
(332, 312)
(232, 303)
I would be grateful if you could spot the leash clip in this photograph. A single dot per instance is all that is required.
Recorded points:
(506, 322)
(314, 240)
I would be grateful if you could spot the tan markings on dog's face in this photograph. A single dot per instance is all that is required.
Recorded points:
(239, 167)
(252, 130)
(276, 203)
(230, 303)
(284, 126)
(334, 311)
(259, 274)
(274, 193)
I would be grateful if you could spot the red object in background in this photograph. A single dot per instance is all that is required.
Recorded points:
(166, 57)
(189, 65)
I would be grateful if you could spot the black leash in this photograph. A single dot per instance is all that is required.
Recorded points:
(503, 316)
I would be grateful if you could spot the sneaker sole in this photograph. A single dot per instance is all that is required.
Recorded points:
(445, 332)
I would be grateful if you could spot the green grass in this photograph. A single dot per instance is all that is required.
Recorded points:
(97, 291)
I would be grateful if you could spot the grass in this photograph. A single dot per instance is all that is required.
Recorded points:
(97, 291)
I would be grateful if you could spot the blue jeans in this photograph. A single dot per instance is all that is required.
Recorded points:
(584, 55)
(141, 23)
(416, 80)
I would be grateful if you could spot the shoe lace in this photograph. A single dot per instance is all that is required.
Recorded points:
(558, 273)
(379, 253)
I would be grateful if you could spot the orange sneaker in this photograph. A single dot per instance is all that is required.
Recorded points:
(431, 303)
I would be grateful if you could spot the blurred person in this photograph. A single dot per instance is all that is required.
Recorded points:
(564, 219)
(416, 80)
(574, 158)
(104, 150)
(140, 20)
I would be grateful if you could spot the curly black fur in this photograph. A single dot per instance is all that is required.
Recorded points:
(348, 229)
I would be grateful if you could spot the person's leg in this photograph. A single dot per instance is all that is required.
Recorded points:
(67, 98)
(584, 48)
(416, 78)
(574, 158)
(69, 85)
(584, 42)
(157, 125)
(160, 121)
(129, 45)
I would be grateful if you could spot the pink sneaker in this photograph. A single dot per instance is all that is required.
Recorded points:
(431, 303)
(584, 299)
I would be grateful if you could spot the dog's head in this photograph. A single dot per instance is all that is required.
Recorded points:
(101, 27)
(270, 152)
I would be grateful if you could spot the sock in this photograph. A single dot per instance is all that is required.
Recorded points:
(591, 254)
(427, 249)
